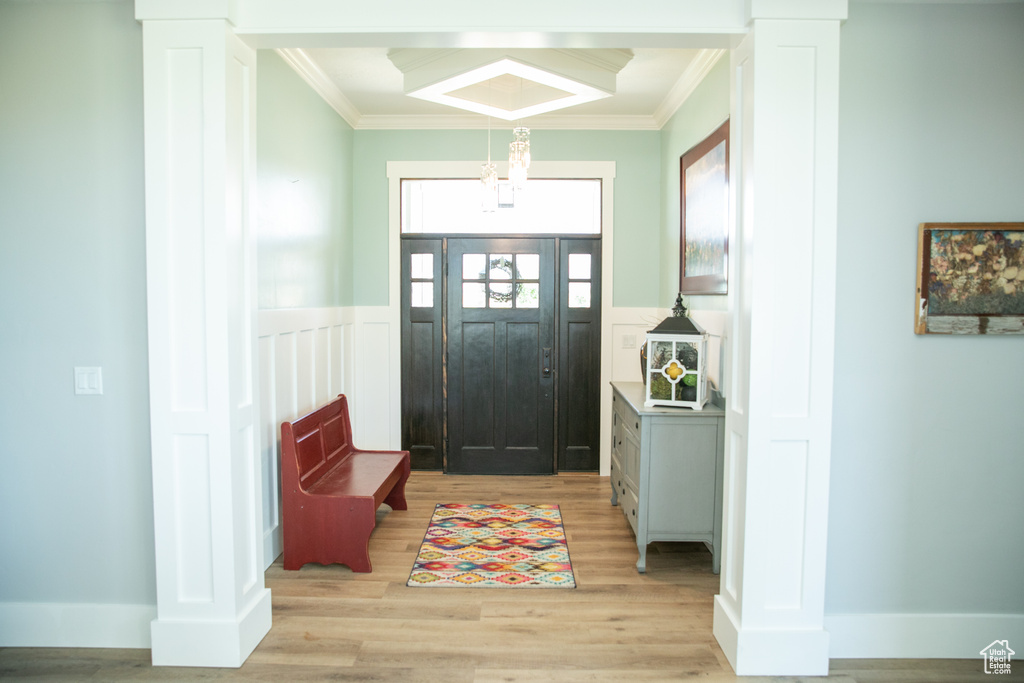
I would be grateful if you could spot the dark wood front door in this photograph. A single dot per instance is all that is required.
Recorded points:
(501, 354)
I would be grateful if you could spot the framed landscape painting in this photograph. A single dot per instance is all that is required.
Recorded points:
(704, 216)
(970, 278)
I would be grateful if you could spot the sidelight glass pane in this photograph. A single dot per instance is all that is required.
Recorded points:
(474, 295)
(501, 266)
(579, 295)
(528, 295)
(579, 266)
(422, 266)
(423, 294)
(474, 266)
(501, 295)
(528, 266)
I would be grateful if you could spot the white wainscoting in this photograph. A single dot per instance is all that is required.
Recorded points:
(307, 356)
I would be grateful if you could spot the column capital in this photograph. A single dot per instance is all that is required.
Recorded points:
(146, 10)
(796, 9)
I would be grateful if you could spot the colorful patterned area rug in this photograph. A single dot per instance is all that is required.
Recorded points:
(494, 546)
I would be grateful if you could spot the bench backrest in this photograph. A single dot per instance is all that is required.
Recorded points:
(316, 442)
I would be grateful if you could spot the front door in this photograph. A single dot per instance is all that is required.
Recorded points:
(501, 353)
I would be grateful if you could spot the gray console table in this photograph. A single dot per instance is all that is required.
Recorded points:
(667, 471)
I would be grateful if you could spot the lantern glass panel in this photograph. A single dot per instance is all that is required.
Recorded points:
(660, 354)
(661, 388)
(686, 353)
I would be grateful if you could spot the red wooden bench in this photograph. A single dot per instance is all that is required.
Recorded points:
(331, 490)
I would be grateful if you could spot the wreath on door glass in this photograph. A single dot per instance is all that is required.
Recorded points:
(505, 265)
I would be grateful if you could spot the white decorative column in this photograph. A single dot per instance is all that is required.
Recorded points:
(770, 612)
(200, 92)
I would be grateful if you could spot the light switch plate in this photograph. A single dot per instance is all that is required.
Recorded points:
(88, 380)
(629, 341)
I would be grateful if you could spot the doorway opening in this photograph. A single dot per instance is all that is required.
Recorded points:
(500, 321)
(501, 353)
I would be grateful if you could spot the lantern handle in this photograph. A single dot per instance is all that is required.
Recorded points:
(679, 310)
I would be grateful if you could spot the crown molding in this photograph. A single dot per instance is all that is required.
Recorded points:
(298, 60)
(695, 72)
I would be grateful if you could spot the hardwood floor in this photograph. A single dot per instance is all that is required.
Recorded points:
(331, 624)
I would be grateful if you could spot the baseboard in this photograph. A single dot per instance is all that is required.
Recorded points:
(30, 624)
(211, 642)
(919, 636)
(770, 652)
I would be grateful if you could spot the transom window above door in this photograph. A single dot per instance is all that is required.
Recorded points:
(544, 206)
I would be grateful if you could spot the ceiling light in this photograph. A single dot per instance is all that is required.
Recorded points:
(542, 91)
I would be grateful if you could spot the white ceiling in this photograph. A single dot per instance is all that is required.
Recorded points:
(367, 90)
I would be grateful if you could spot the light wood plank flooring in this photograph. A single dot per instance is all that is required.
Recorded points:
(331, 624)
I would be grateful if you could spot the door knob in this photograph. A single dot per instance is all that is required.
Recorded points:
(546, 370)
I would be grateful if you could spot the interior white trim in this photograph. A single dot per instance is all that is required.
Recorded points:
(691, 77)
(297, 59)
(919, 636)
(33, 624)
(605, 170)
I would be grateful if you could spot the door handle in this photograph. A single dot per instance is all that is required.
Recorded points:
(546, 370)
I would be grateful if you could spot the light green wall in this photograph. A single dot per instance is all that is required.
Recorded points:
(76, 502)
(636, 199)
(699, 116)
(304, 162)
(925, 506)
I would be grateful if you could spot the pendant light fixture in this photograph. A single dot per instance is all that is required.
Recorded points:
(519, 151)
(488, 172)
(489, 178)
(519, 156)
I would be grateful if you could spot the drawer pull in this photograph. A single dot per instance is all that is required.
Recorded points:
(638, 426)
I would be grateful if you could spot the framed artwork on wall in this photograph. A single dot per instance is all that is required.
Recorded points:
(704, 215)
(970, 278)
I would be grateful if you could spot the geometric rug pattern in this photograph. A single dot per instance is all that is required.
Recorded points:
(494, 546)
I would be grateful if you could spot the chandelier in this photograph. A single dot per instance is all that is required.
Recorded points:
(519, 157)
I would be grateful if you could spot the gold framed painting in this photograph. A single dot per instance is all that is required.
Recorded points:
(970, 278)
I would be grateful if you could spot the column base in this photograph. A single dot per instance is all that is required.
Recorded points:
(770, 652)
(211, 643)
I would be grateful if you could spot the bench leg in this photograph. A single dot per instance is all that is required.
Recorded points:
(396, 499)
(355, 535)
